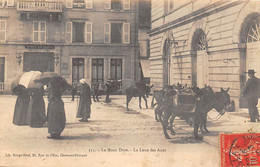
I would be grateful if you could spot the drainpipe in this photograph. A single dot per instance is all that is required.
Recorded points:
(135, 39)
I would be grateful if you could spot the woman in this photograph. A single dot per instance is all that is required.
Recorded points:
(84, 109)
(21, 105)
(36, 112)
(55, 112)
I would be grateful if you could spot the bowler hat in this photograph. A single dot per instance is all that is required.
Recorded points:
(251, 71)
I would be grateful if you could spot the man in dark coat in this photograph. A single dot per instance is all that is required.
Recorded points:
(84, 108)
(251, 92)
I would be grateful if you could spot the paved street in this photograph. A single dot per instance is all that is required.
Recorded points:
(111, 136)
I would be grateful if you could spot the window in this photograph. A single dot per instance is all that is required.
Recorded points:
(2, 3)
(89, 4)
(126, 27)
(116, 69)
(88, 32)
(126, 4)
(68, 37)
(117, 33)
(2, 30)
(78, 4)
(117, 4)
(107, 4)
(39, 31)
(69, 3)
(10, 2)
(253, 34)
(77, 69)
(107, 28)
(98, 70)
(78, 32)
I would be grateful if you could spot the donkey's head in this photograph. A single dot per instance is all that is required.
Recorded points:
(147, 90)
(222, 100)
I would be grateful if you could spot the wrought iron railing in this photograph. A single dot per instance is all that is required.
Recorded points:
(38, 6)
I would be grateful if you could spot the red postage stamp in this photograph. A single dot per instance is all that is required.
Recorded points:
(240, 149)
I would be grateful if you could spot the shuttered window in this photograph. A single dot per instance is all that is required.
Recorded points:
(88, 32)
(107, 4)
(2, 30)
(107, 32)
(89, 4)
(69, 3)
(126, 33)
(126, 4)
(39, 31)
(69, 32)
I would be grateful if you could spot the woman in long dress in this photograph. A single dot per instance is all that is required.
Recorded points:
(84, 108)
(21, 106)
(36, 112)
(55, 111)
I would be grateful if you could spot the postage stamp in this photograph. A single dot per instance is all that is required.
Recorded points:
(240, 149)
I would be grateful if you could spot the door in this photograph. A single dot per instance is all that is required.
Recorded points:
(253, 59)
(202, 68)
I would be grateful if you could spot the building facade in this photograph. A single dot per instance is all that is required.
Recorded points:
(96, 40)
(198, 42)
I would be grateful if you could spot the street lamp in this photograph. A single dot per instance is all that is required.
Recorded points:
(19, 59)
(57, 58)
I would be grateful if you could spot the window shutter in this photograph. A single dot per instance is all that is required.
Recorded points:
(68, 37)
(43, 31)
(126, 33)
(69, 3)
(36, 31)
(10, 2)
(107, 31)
(89, 4)
(2, 30)
(107, 4)
(126, 4)
(88, 32)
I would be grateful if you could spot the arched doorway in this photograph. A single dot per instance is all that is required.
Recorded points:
(249, 57)
(166, 61)
(199, 59)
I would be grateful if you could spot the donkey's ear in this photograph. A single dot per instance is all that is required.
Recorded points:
(222, 90)
(227, 89)
(151, 86)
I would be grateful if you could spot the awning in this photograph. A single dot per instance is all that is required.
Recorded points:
(145, 64)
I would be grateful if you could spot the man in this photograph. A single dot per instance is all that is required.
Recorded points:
(251, 92)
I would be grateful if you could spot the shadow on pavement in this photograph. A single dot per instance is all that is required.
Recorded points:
(91, 136)
(184, 140)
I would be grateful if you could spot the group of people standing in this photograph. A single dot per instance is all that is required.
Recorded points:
(30, 106)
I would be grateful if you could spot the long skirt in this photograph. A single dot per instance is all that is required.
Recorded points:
(21, 109)
(36, 112)
(84, 109)
(56, 117)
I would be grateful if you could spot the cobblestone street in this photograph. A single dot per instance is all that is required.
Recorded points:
(112, 133)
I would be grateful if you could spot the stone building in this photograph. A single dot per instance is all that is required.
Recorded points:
(96, 40)
(199, 42)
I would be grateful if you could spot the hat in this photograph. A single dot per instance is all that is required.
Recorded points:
(83, 81)
(251, 71)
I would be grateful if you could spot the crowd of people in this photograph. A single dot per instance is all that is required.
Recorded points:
(30, 106)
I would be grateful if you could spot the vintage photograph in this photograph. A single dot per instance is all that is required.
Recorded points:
(133, 83)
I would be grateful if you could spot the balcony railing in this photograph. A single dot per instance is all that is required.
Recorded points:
(34, 6)
(2, 86)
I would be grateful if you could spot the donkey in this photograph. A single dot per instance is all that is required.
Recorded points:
(207, 100)
(140, 90)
